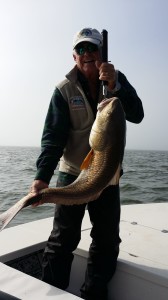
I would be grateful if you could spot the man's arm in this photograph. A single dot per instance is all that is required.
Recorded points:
(132, 104)
(54, 137)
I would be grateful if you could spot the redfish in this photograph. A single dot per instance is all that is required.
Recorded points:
(100, 168)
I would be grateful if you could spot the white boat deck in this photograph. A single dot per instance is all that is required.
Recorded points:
(142, 271)
(25, 287)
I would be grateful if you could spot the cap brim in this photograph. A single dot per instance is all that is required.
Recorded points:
(87, 39)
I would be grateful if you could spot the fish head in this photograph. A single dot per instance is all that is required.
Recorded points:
(109, 122)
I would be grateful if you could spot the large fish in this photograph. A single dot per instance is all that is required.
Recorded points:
(100, 168)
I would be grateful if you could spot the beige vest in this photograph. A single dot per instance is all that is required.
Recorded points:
(82, 118)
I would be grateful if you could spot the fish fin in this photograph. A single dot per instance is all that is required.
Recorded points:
(87, 160)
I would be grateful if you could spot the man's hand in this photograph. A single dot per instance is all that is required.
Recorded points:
(107, 73)
(38, 185)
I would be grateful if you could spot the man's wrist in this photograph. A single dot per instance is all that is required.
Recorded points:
(114, 88)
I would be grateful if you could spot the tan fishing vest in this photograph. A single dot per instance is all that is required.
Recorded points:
(82, 118)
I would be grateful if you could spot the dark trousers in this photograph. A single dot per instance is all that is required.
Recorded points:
(103, 252)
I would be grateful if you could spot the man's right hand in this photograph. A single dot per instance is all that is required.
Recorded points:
(38, 185)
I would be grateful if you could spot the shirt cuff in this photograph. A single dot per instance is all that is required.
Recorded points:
(44, 175)
(116, 89)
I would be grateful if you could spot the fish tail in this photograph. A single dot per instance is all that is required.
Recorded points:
(7, 216)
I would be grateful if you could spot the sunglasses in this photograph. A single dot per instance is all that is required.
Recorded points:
(90, 48)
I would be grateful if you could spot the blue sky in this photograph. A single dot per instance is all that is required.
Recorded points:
(36, 53)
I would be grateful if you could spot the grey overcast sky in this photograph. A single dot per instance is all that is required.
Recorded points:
(36, 53)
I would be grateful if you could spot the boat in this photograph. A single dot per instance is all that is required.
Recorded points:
(142, 269)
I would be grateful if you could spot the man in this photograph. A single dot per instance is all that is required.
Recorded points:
(65, 139)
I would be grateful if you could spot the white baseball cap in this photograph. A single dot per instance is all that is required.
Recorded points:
(88, 35)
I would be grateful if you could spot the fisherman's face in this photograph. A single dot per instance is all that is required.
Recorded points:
(85, 55)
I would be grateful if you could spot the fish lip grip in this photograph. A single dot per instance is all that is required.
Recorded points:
(105, 58)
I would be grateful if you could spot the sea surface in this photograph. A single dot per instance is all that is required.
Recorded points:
(145, 179)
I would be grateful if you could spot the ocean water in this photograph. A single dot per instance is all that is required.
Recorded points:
(145, 179)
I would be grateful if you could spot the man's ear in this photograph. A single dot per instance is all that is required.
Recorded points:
(74, 56)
